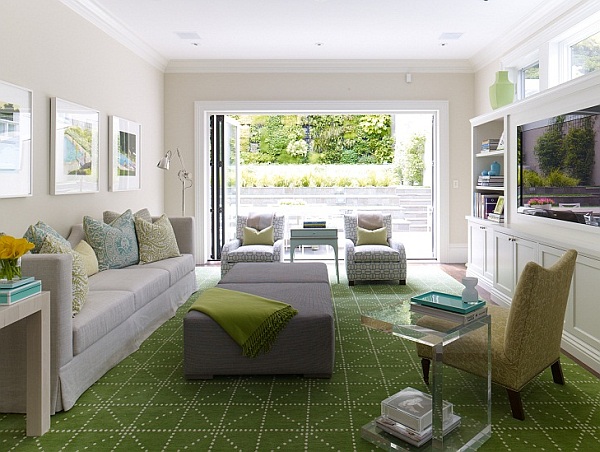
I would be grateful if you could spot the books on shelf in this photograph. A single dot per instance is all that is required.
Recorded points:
(412, 408)
(490, 181)
(496, 217)
(491, 144)
(18, 293)
(454, 317)
(484, 204)
(411, 436)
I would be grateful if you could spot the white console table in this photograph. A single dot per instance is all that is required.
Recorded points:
(315, 236)
(35, 311)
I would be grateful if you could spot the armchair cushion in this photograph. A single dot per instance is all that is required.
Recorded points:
(255, 237)
(375, 253)
(372, 237)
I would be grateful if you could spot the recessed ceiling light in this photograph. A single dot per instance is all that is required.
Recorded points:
(187, 35)
(450, 36)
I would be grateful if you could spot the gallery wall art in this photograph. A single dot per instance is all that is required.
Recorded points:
(74, 147)
(124, 154)
(15, 141)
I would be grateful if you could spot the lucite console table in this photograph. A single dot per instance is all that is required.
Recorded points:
(470, 394)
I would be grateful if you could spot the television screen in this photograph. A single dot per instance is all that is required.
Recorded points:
(558, 172)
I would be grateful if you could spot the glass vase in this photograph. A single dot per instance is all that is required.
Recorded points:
(10, 269)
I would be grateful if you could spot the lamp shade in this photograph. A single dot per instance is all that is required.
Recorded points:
(502, 92)
(165, 162)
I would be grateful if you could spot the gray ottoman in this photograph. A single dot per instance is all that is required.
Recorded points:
(306, 345)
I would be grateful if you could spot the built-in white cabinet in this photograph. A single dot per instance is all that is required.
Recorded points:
(511, 253)
(582, 319)
(481, 256)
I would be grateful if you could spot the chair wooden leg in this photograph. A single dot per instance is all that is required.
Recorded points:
(557, 373)
(425, 364)
(516, 405)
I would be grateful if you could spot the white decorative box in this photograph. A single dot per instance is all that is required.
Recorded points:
(412, 408)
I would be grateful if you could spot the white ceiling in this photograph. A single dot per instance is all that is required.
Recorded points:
(170, 30)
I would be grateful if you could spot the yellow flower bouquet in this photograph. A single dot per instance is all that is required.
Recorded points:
(11, 250)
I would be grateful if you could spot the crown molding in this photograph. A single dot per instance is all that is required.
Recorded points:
(530, 32)
(91, 11)
(318, 66)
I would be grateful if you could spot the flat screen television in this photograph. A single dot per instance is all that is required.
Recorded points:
(558, 167)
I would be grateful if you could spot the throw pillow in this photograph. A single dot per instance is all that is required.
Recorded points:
(115, 244)
(109, 216)
(38, 232)
(156, 240)
(90, 261)
(254, 237)
(79, 276)
(375, 237)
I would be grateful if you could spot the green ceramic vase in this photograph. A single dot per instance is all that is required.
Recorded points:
(502, 92)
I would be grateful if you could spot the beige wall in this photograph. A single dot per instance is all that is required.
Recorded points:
(52, 51)
(182, 90)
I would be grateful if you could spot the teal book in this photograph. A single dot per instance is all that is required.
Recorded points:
(10, 296)
(447, 302)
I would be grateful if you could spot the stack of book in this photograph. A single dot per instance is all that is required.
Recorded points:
(490, 144)
(14, 291)
(490, 181)
(484, 204)
(448, 307)
(314, 224)
(408, 415)
(497, 217)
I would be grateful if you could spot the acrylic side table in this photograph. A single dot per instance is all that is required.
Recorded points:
(35, 311)
(471, 397)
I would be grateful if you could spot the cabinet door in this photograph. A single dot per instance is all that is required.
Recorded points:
(477, 248)
(524, 251)
(504, 271)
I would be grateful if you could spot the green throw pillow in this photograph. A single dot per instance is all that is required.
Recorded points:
(375, 237)
(156, 240)
(79, 276)
(254, 237)
(108, 216)
(90, 261)
(38, 232)
(115, 244)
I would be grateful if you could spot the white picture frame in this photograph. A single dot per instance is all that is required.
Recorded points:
(74, 145)
(16, 150)
(125, 154)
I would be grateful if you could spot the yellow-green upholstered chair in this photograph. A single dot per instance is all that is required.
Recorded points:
(525, 338)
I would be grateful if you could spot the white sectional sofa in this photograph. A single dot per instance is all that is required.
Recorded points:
(124, 306)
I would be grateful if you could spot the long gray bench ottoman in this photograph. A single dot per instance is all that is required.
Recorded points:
(305, 346)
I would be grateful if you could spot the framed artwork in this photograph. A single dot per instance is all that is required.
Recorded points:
(125, 153)
(74, 137)
(499, 209)
(16, 151)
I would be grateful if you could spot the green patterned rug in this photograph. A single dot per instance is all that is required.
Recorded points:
(145, 403)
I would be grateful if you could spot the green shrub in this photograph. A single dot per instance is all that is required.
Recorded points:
(558, 179)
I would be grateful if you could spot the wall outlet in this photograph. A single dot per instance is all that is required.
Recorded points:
(455, 183)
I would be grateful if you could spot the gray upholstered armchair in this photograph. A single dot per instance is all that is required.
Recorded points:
(235, 251)
(525, 338)
(372, 262)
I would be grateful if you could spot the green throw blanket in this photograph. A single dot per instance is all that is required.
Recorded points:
(252, 321)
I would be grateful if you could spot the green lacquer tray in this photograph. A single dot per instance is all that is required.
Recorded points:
(447, 302)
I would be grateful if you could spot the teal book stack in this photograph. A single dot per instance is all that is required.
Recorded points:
(19, 290)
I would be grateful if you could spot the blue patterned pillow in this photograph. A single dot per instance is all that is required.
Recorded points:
(115, 244)
(38, 232)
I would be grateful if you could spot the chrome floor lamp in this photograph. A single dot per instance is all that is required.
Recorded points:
(183, 175)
